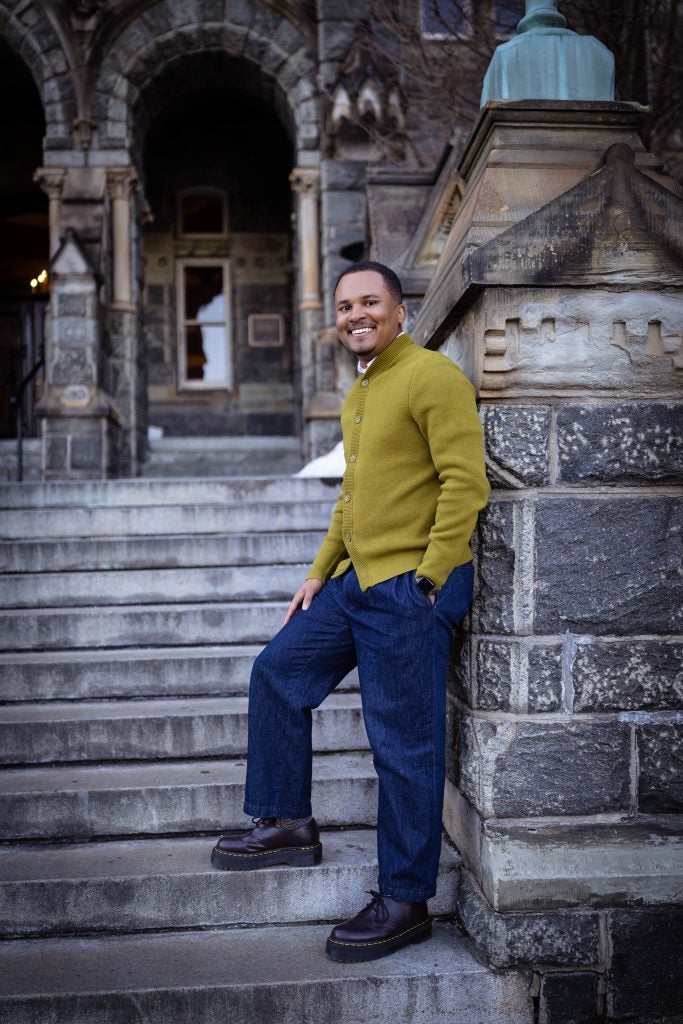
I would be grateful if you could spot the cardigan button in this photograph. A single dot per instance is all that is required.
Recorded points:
(347, 536)
(364, 383)
(353, 458)
(347, 497)
(357, 419)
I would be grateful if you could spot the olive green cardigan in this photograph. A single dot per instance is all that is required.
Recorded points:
(414, 479)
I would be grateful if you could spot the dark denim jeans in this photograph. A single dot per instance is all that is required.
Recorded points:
(400, 642)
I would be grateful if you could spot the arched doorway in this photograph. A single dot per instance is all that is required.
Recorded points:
(24, 248)
(217, 310)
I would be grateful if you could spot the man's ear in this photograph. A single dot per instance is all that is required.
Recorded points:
(401, 314)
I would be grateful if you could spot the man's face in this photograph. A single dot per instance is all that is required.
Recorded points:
(368, 315)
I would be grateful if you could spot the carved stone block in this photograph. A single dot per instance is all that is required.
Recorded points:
(628, 675)
(623, 443)
(607, 566)
(644, 976)
(495, 675)
(568, 998)
(560, 938)
(525, 769)
(544, 678)
(516, 438)
(493, 605)
(660, 760)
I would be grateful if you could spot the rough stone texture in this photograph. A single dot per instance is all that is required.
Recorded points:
(594, 576)
(568, 998)
(544, 678)
(494, 675)
(628, 675)
(636, 443)
(644, 981)
(516, 440)
(558, 938)
(660, 756)
(493, 608)
(511, 769)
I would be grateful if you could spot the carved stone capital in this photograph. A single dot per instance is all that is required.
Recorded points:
(120, 182)
(51, 181)
(305, 181)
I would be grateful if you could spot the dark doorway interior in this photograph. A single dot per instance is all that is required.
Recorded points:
(218, 312)
(24, 244)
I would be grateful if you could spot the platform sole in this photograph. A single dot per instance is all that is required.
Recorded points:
(356, 952)
(294, 856)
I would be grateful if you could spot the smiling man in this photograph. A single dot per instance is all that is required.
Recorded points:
(392, 579)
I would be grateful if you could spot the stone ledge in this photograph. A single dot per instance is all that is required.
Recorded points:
(557, 937)
(560, 866)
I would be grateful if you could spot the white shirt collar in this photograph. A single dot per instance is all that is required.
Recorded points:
(362, 369)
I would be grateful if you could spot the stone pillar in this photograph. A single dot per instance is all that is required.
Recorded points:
(565, 698)
(80, 427)
(306, 184)
(120, 183)
(51, 180)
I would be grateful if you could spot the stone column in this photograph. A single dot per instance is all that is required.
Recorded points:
(306, 184)
(564, 703)
(80, 426)
(120, 184)
(51, 180)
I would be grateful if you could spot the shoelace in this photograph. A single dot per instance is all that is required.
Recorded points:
(378, 906)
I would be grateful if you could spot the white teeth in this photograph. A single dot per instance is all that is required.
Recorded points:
(361, 330)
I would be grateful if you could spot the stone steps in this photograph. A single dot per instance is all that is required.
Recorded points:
(139, 672)
(128, 886)
(254, 976)
(172, 551)
(140, 493)
(130, 615)
(160, 625)
(165, 797)
(119, 521)
(151, 586)
(53, 732)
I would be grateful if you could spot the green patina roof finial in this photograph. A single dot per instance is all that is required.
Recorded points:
(547, 61)
(541, 14)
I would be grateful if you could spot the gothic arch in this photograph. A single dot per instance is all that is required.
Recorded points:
(166, 33)
(31, 34)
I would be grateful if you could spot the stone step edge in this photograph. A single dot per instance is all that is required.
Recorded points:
(258, 975)
(170, 884)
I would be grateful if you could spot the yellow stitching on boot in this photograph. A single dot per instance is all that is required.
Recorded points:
(378, 942)
(264, 853)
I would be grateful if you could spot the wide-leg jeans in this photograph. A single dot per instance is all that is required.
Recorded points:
(400, 641)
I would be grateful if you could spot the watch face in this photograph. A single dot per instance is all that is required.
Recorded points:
(425, 584)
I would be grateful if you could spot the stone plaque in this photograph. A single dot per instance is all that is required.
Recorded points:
(266, 330)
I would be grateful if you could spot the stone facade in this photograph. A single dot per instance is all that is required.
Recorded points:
(281, 108)
(547, 253)
(565, 696)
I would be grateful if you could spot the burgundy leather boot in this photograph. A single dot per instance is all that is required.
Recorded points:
(266, 844)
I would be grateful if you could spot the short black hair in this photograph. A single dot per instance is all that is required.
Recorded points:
(390, 278)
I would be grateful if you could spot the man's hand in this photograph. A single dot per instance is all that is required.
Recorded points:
(304, 596)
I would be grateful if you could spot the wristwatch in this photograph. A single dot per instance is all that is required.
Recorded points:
(426, 585)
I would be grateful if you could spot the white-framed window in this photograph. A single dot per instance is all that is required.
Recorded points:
(445, 19)
(204, 335)
(202, 213)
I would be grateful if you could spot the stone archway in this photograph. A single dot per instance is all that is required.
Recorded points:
(283, 68)
(31, 34)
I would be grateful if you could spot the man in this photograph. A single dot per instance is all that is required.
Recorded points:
(391, 580)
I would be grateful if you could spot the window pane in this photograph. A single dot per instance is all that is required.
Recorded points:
(202, 215)
(205, 354)
(443, 17)
(204, 293)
